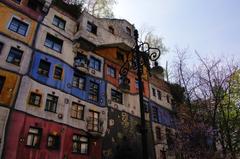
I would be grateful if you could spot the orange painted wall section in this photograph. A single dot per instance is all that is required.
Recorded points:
(6, 15)
(9, 89)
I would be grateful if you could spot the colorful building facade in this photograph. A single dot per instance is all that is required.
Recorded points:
(61, 95)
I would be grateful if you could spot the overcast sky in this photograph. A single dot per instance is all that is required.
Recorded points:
(212, 27)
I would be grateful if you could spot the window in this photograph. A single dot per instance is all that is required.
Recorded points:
(128, 30)
(1, 47)
(34, 137)
(14, 56)
(92, 28)
(80, 144)
(120, 56)
(159, 95)
(2, 81)
(53, 142)
(111, 29)
(116, 96)
(35, 99)
(58, 73)
(163, 154)
(146, 107)
(35, 5)
(17, 1)
(93, 92)
(155, 114)
(51, 103)
(93, 121)
(44, 68)
(18, 26)
(78, 81)
(168, 99)
(111, 71)
(95, 63)
(158, 133)
(53, 43)
(136, 83)
(154, 92)
(77, 111)
(58, 22)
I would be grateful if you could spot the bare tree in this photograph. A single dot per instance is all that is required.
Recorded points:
(210, 103)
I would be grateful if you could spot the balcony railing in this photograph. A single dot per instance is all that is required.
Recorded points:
(95, 126)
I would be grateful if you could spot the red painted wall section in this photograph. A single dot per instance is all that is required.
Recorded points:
(16, 139)
(22, 7)
(132, 77)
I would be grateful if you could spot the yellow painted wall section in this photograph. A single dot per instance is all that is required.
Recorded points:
(9, 89)
(6, 15)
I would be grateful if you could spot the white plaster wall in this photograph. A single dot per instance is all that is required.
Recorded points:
(4, 113)
(103, 36)
(130, 102)
(161, 145)
(63, 107)
(163, 102)
(25, 61)
(70, 26)
(66, 55)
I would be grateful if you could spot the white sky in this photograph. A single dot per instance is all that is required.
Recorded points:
(212, 27)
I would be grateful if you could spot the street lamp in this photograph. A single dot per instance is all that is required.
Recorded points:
(142, 54)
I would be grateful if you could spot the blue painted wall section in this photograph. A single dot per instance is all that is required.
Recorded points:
(65, 84)
(165, 116)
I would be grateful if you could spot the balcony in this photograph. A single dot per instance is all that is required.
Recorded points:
(81, 62)
(95, 126)
(124, 84)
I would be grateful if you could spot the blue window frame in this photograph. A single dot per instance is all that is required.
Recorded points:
(59, 22)
(14, 56)
(18, 26)
(53, 43)
(95, 63)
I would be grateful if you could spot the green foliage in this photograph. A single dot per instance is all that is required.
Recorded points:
(74, 10)
(178, 93)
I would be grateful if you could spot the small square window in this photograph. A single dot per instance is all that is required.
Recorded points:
(128, 30)
(92, 28)
(95, 63)
(78, 81)
(35, 99)
(14, 56)
(77, 111)
(116, 96)
(111, 29)
(17, 1)
(1, 47)
(53, 142)
(120, 56)
(111, 71)
(59, 22)
(53, 43)
(155, 114)
(35, 5)
(154, 92)
(2, 81)
(44, 68)
(34, 137)
(18, 26)
(80, 144)
(93, 91)
(158, 133)
(51, 103)
(159, 94)
(58, 71)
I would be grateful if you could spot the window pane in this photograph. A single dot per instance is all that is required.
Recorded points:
(2, 81)
(29, 140)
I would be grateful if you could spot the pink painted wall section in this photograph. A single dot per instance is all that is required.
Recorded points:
(16, 139)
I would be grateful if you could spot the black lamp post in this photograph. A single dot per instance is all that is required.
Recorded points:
(142, 54)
